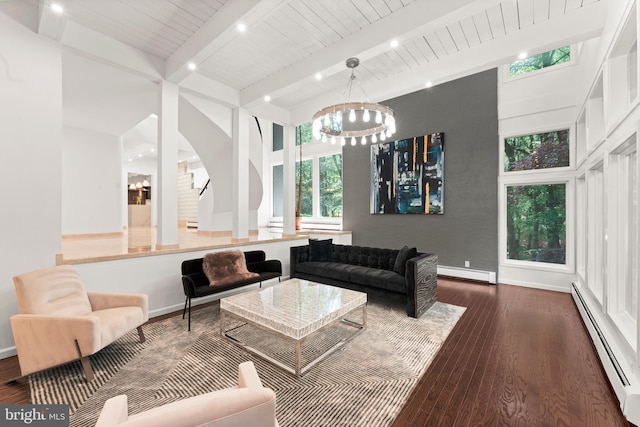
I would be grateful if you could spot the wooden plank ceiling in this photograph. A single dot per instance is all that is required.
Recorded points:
(293, 37)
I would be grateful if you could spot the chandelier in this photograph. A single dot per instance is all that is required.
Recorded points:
(363, 119)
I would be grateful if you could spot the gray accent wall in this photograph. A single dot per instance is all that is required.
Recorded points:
(466, 110)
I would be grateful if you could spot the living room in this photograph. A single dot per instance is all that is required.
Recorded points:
(470, 87)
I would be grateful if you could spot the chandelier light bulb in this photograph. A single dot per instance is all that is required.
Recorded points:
(378, 117)
(352, 116)
(343, 142)
(366, 116)
(374, 139)
(363, 141)
(382, 136)
(326, 121)
(333, 139)
(353, 140)
(324, 137)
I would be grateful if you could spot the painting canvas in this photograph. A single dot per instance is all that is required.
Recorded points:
(407, 176)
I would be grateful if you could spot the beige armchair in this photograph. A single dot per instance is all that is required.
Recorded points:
(60, 322)
(250, 404)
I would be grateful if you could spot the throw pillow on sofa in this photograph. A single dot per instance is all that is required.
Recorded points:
(320, 250)
(403, 256)
(224, 267)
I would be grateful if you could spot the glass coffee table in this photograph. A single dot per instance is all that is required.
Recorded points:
(295, 310)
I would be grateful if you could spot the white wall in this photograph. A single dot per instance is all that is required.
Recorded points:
(92, 187)
(31, 141)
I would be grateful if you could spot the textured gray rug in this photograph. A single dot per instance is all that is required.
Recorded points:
(365, 383)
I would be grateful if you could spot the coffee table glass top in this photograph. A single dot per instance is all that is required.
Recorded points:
(295, 307)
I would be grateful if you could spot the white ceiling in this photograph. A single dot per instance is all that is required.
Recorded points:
(288, 41)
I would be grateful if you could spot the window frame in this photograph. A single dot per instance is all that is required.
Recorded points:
(507, 77)
(569, 182)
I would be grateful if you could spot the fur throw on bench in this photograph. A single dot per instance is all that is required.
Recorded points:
(224, 267)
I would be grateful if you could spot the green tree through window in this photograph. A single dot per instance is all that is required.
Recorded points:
(331, 186)
(536, 223)
(306, 208)
(537, 151)
(540, 61)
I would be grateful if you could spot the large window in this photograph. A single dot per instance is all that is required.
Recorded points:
(331, 185)
(536, 223)
(595, 231)
(304, 188)
(537, 151)
(540, 61)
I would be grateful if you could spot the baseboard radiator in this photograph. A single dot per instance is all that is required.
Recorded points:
(466, 273)
(626, 386)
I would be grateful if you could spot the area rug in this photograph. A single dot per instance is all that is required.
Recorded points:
(365, 383)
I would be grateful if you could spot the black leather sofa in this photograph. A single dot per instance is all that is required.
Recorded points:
(196, 284)
(403, 271)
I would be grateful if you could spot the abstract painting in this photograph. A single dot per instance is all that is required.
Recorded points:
(407, 176)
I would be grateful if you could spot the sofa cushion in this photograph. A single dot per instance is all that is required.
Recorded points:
(403, 256)
(320, 250)
(378, 278)
(331, 270)
(226, 267)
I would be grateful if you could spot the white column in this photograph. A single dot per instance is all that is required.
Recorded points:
(289, 178)
(240, 181)
(167, 191)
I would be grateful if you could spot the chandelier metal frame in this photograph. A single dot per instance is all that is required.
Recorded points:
(327, 122)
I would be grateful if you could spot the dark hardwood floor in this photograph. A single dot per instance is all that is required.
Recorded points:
(517, 357)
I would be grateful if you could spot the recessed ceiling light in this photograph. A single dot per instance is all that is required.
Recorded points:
(241, 27)
(318, 76)
(192, 66)
(153, 150)
(267, 98)
(194, 157)
(428, 84)
(522, 55)
(130, 159)
(139, 155)
(57, 8)
(394, 43)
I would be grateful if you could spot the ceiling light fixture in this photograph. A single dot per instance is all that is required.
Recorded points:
(523, 55)
(57, 8)
(241, 27)
(318, 76)
(428, 84)
(192, 66)
(363, 118)
(394, 43)
(267, 98)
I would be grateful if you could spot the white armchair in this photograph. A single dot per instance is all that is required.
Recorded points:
(250, 404)
(59, 322)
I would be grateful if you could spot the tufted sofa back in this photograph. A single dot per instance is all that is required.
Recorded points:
(358, 255)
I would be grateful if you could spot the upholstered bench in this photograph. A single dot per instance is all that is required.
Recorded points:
(196, 284)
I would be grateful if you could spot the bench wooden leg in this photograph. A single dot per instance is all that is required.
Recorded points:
(141, 334)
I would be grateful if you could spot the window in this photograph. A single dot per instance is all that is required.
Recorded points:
(304, 133)
(540, 61)
(623, 276)
(306, 189)
(537, 151)
(595, 231)
(331, 186)
(277, 137)
(277, 190)
(536, 223)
